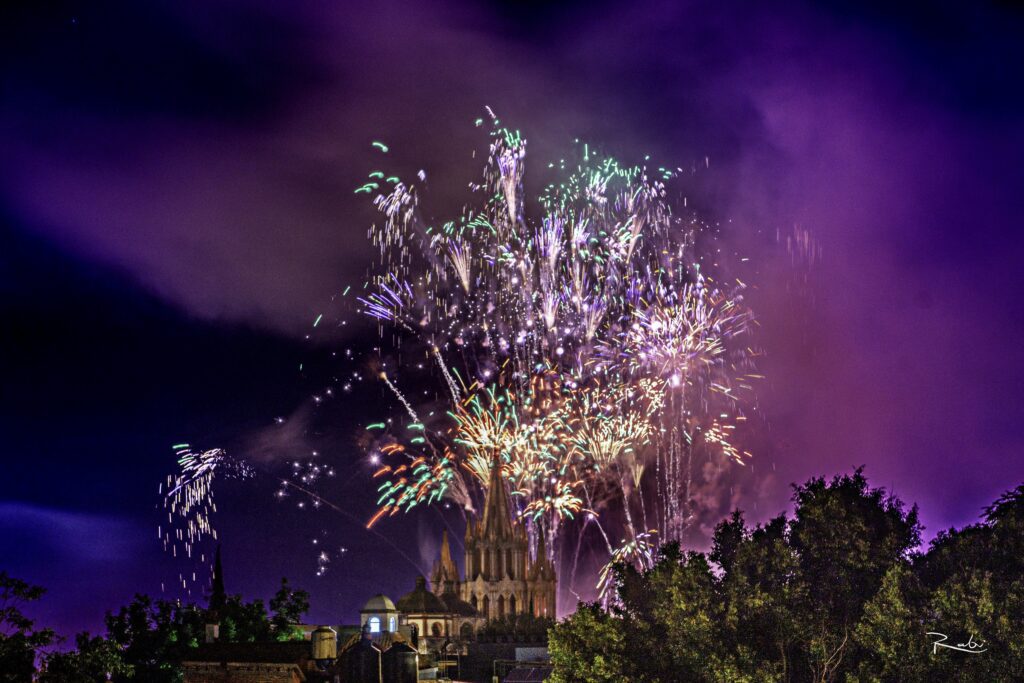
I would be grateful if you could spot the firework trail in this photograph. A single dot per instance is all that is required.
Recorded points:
(398, 394)
(639, 552)
(188, 502)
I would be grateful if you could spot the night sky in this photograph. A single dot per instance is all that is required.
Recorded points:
(177, 208)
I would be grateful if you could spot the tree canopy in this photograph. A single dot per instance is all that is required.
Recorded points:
(20, 641)
(147, 640)
(839, 592)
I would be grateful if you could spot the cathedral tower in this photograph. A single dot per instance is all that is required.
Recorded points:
(500, 578)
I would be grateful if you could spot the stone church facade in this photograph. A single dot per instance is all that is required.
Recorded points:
(501, 579)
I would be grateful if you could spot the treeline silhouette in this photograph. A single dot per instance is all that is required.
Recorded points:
(146, 640)
(839, 591)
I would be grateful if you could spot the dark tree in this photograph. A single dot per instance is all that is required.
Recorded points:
(975, 583)
(154, 637)
(20, 642)
(289, 606)
(729, 536)
(846, 536)
(836, 593)
(761, 587)
(590, 647)
(522, 627)
(95, 660)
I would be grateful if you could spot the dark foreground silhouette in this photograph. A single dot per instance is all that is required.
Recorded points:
(838, 591)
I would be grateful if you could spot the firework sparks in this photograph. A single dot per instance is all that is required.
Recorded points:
(589, 342)
(601, 342)
(189, 502)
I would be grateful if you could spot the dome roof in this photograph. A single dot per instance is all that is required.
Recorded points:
(457, 605)
(379, 603)
(421, 601)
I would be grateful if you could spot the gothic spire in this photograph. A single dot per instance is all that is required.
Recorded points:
(218, 597)
(445, 576)
(446, 551)
(497, 521)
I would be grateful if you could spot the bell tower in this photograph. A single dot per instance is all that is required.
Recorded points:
(500, 579)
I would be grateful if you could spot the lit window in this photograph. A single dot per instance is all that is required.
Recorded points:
(374, 623)
(391, 624)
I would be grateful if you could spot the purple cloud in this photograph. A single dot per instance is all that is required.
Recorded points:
(890, 145)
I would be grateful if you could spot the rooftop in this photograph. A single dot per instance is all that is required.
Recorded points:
(379, 603)
(281, 652)
(421, 600)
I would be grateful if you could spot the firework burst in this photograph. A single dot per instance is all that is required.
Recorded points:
(599, 344)
(188, 502)
(589, 344)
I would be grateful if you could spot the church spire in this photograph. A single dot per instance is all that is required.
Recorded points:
(446, 551)
(218, 598)
(497, 521)
(445, 576)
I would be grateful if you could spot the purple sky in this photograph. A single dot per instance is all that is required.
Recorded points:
(177, 203)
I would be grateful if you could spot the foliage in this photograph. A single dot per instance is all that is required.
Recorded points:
(837, 593)
(846, 536)
(891, 622)
(590, 647)
(289, 606)
(146, 640)
(20, 642)
(153, 636)
(521, 628)
(94, 660)
(156, 636)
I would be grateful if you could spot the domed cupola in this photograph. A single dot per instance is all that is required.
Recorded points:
(421, 600)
